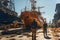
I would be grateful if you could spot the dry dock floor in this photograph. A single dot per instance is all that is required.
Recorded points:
(54, 33)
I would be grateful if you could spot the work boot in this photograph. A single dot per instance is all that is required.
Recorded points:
(47, 37)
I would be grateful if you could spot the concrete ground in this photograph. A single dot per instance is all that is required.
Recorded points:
(28, 36)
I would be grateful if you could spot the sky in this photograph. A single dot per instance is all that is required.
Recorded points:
(49, 7)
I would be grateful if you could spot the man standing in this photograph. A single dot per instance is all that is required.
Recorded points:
(34, 25)
(45, 30)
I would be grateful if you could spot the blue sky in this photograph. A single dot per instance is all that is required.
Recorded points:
(49, 7)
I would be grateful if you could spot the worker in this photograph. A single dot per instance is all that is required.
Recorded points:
(45, 30)
(34, 25)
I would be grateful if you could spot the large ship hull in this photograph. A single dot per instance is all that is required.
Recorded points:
(28, 18)
(7, 16)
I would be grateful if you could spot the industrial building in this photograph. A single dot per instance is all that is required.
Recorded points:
(57, 14)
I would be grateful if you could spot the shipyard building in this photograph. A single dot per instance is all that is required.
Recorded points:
(57, 14)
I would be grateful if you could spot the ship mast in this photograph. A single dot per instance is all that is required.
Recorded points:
(33, 5)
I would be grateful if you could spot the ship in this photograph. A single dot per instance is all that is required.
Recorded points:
(27, 18)
(7, 14)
